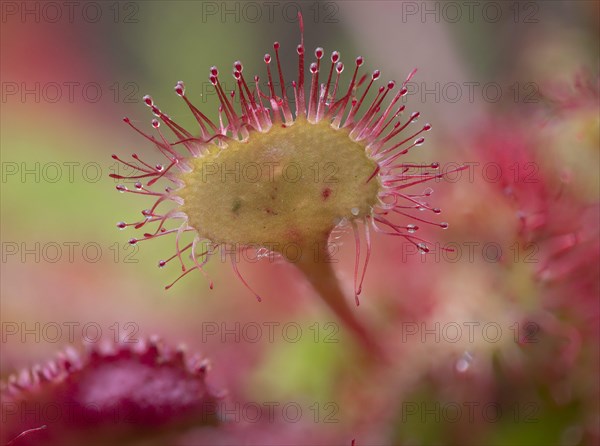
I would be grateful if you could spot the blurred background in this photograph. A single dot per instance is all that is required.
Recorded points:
(495, 343)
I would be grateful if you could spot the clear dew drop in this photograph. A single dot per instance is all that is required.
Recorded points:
(412, 228)
(180, 88)
(444, 225)
(355, 211)
(162, 263)
(427, 192)
(463, 363)
(121, 188)
(462, 366)
(422, 247)
(121, 225)
(262, 253)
